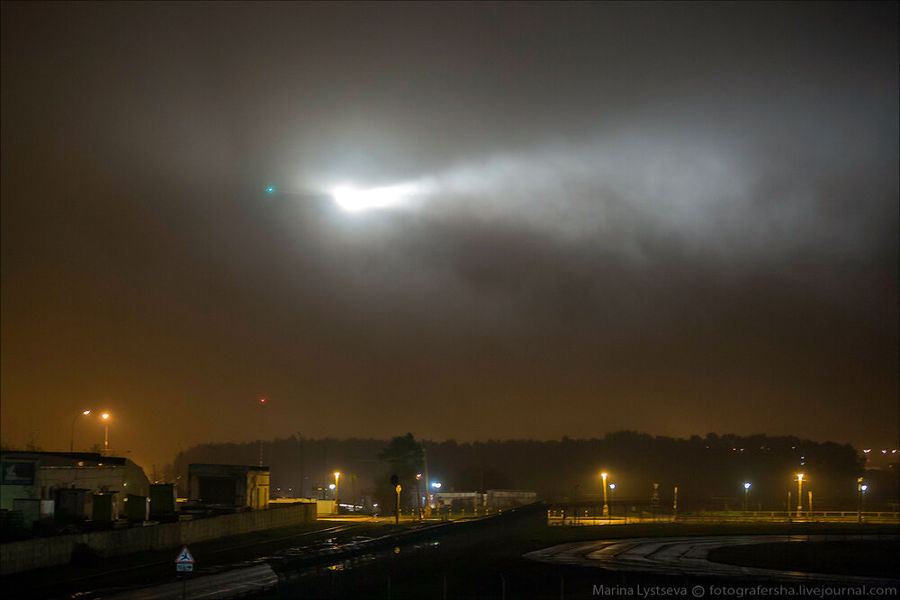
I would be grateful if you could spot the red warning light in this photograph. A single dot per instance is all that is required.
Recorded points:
(262, 400)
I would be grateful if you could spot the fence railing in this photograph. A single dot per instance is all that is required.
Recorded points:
(559, 516)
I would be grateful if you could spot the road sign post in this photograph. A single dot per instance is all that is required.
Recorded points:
(185, 562)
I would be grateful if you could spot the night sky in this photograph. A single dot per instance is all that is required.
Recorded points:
(670, 218)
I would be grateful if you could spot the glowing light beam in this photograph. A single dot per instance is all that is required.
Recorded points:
(354, 199)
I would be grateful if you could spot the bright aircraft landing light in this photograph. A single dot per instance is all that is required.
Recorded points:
(354, 200)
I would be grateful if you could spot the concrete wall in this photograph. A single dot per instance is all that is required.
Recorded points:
(16, 557)
(325, 507)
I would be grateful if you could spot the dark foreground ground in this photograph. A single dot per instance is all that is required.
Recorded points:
(490, 565)
(854, 557)
(483, 561)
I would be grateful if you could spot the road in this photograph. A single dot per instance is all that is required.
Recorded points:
(229, 584)
(688, 556)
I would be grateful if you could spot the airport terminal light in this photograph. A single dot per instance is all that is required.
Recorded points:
(83, 413)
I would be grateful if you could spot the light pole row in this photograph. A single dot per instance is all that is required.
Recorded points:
(747, 485)
(104, 416)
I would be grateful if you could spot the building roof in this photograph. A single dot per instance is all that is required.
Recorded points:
(67, 458)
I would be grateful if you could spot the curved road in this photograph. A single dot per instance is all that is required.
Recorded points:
(689, 556)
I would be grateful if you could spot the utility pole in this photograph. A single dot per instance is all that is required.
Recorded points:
(300, 448)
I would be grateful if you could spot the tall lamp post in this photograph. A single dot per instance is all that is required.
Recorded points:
(105, 417)
(860, 489)
(419, 495)
(337, 483)
(262, 404)
(746, 493)
(612, 488)
(83, 413)
(799, 492)
(604, 475)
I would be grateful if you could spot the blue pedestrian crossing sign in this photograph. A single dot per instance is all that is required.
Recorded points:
(184, 562)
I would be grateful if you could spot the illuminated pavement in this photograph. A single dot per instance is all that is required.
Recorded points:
(229, 584)
(688, 556)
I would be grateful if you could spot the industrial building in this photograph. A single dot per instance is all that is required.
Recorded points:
(491, 500)
(233, 486)
(42, 484)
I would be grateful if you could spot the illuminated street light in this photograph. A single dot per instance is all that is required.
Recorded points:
(337, 482)
(605, 505)
(436, 485)
(262, 404)
(799, 492)
(860, 489)
(746, 492)
(83, 413)
(105, 417)
(419, 510)
(612, 488)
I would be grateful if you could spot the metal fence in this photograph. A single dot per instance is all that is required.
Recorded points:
(581, 516)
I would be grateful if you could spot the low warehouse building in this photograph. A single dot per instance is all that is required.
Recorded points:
(236, 486)
(54, 477)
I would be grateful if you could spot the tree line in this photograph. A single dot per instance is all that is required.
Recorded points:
(709, 471)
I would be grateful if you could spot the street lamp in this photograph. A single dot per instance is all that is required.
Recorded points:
(262, 404)
(419, 494)
(337, 482)
(83, 413)
(105, 417)
(746, 492)
(605, 505)
(799, 492)
(860, 490)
